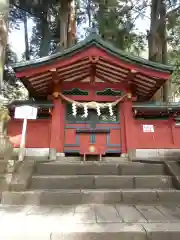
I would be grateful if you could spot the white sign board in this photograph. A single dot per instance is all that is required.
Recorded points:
(25, 112)
(148, 128)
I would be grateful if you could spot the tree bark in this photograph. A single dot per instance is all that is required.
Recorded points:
(27, 52)
(72, 24)
(89, 13)
(64, 24)
(4, 9)
(157, 43)
(167, 85)
(46, 36)
(153, 40)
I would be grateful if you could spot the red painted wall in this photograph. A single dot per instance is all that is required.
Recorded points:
(127, 135)
(160, 138)
(38, 133)
(166, 134)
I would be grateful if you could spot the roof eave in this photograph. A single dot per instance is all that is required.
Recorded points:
(90, 41)
(156, 107)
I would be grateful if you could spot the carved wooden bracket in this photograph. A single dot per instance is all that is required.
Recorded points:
(130, 77)
(93, 59)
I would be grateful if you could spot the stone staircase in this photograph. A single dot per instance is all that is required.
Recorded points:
(98, 200)
(54, 183)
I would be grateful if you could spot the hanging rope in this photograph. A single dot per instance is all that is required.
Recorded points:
(93, 104)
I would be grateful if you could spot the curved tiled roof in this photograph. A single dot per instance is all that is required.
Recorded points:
(75, 64)
(96, 40)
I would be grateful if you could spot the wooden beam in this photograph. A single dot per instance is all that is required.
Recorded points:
(54, 85)
(110, 76)
(28, 86)
(55, 76)
(130, 77)
(73, 68)
(111, 69)
(92, 73)
(71, 75)
(85, 85)
(91, 51)
(61, 63)
(105, 56)
(122, 85)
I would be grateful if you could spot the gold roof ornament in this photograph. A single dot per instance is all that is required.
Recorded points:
(92, 149)
(129, 95)
(55, 94)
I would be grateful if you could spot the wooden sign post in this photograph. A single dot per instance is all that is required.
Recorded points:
(25, 113)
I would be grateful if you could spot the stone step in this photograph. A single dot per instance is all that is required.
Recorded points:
(118, 231)
(88, 231)
(89, 196)
(98, 168)
(3, 166)
(175, 167)
(93, 158)
(94, 221)
(100, 182)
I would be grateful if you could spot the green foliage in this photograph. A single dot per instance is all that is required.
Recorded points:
(114, 20)
(174, 59)
(173, 27)
(12, 88)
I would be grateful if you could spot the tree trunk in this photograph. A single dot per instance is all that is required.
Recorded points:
(46, 36)
(157, 42)
(153, 40)
(100, 19)
(64, 24)
(27, 52)
(69, 27)
(163, 34)
(4, 8)
(89, 13)
(72, 24)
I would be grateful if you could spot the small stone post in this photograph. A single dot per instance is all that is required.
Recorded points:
(5, 144)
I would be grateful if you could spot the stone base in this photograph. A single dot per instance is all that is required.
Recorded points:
(40, 152)
(33, 152)
(132, 154)
(60, 154)
(157, 154)
(52, 154)
(124, 155)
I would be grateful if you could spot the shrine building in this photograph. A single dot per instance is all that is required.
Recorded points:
(94, 99)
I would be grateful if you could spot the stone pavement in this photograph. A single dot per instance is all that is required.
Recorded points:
(90, 222)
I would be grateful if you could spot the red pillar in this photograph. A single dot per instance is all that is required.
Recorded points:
(57, 126)
(123, 129)
(129, 126)
(173, 129)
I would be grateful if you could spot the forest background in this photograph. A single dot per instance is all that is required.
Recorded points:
(146, 28)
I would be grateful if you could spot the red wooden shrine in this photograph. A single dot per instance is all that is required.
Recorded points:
(95, 71)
